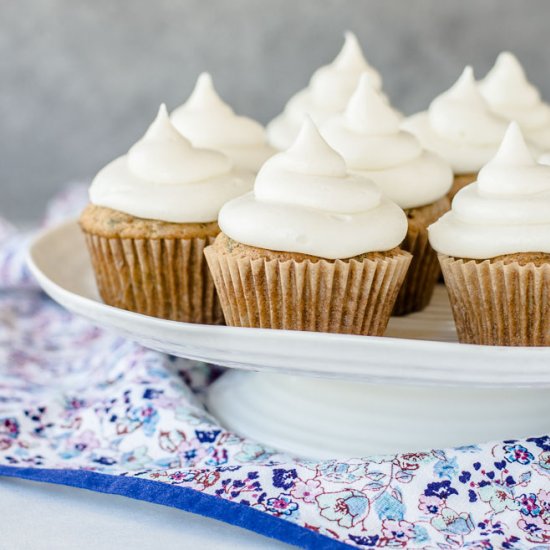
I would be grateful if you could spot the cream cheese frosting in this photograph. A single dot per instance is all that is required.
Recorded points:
(207, 121)
(329, 90)
(509, 94)
(506, 211)
(368, 137)
(163, 177)
(304, 200)
(459, 126)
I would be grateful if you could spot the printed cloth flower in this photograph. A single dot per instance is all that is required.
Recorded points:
(347, 508)
(80, 443)
(544, 499)
(9, 427)
(283, 505)
(446, 468)
(544, 460)
(442, 490)
(284, 478)
(307, 490)
(529, 505)
(412, 461)
(397, 531)
(518, 453)
(430, 504)
(499, 497)
(453, 523)
(75, 397)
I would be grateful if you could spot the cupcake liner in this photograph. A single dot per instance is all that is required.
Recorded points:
(350, 297)
(424, 271)
(165, 278)
(497, 303)
(460, 181)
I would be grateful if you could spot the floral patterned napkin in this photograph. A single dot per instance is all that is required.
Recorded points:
(83, 407)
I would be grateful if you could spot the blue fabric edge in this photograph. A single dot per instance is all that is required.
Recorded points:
(183, 498)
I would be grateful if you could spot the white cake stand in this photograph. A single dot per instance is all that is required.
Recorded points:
(326, 395)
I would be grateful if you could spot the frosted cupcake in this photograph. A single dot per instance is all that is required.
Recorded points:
(152, 213)
(368, 137)
(328, 92)
(460, 127)
(311, 248)
(494, 250)
(509, 94)
(207, 121)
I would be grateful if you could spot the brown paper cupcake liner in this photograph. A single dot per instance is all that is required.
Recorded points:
(498, 303)
(165, 278)
(350, 297)
(424, 271)
(460, 181)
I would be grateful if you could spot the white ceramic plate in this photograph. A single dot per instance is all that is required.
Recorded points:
(420, 349)
(415, 388)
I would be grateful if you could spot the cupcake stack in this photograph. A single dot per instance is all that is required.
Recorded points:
(338, 215)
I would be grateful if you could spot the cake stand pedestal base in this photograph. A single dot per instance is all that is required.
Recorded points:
(326, 418)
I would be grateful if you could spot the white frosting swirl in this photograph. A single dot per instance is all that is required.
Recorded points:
(305, 201)
(505, 212)
(545, 159)
(328, 92)
(367, 135)
(509, 94)
(207, 121)
(459, 126)
(163, 177)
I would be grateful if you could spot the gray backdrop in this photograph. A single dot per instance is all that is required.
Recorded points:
(80, 80)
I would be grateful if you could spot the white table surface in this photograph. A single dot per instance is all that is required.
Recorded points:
(42, 516)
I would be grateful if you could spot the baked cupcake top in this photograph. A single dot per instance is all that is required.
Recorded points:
(163, 177)
(305, 201)
(207, 121)
(459, 126)
(509, 94)
(507, 211)
(328, 92)
(369, 138)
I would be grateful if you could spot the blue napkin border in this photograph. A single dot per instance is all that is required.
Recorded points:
(182, 498)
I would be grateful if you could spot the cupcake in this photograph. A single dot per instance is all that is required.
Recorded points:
(368, 137)
(207, 121)
(311, 248)
(510, 95)
(494, 248)
(152, 213)
(460, 127)
(328, 92)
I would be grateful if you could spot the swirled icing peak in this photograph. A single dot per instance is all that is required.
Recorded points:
(459, 126)
(506, 211)
(462, 114)
(513, 171)
(327, 94)
(369, 138)
(334, 83)
(207, 121)
(163, 155)
(369, 112)
(512, 96)
(163, 177)
(304, 200)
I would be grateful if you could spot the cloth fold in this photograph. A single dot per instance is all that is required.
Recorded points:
(82, 406)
